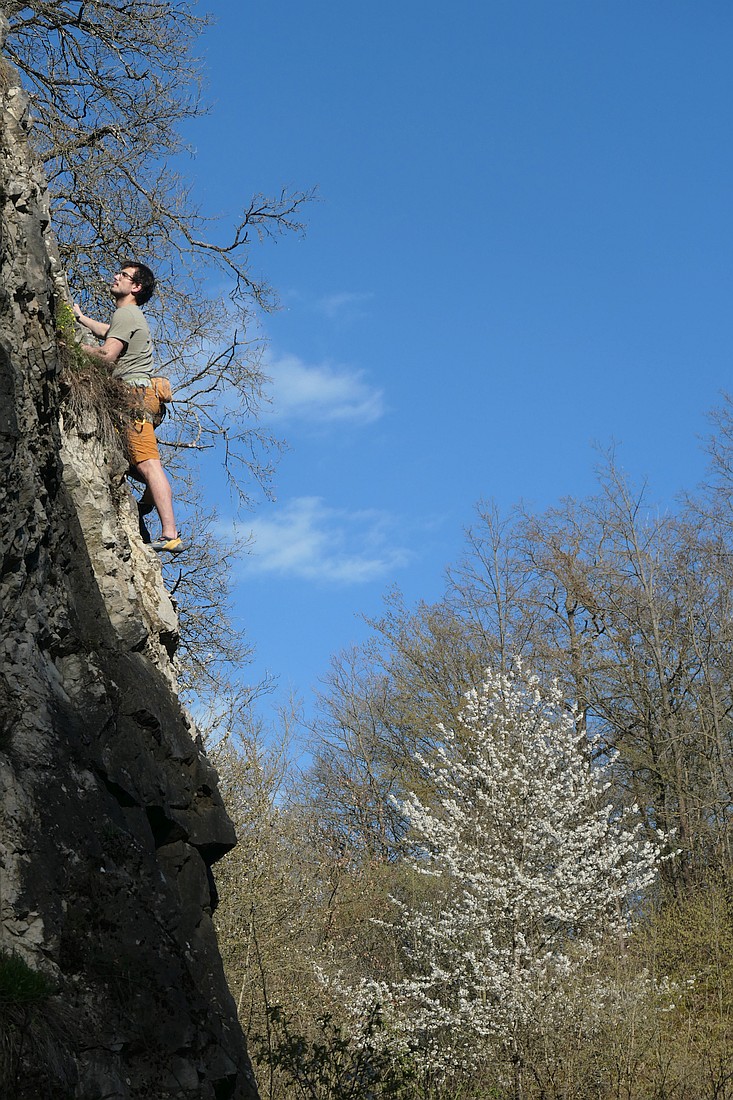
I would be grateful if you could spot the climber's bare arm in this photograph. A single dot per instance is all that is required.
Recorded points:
(97, 328)
(109, 352)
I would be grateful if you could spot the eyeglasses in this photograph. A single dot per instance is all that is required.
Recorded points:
(128, 275)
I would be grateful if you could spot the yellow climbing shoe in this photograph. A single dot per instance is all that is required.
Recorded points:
(171, 546)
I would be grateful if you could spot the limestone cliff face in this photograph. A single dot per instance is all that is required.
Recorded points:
(110, 817)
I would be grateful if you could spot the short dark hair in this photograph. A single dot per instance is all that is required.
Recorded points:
(146, 279)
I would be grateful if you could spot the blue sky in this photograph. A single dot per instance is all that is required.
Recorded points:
(521, 250)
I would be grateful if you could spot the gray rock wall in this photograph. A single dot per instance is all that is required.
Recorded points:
(110, 818)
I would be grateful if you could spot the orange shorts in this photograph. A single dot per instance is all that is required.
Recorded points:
(140, 435)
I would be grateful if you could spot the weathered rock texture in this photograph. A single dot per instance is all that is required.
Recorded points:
(109, 813)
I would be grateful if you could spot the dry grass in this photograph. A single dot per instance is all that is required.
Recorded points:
(34, 1030)
(95, 404)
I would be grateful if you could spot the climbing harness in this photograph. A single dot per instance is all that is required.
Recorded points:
(161, 387)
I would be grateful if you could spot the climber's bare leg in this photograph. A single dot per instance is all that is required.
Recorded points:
(158, 489)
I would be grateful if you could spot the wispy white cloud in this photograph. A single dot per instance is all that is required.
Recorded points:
(347, 304)
(322, 393)
(309, 540)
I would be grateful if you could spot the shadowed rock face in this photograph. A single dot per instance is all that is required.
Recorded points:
(110, 817)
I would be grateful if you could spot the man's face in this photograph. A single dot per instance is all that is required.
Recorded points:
(124, 282)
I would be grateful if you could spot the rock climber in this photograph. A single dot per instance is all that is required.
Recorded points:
(127, 351)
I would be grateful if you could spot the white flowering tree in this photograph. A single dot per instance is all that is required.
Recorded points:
(533, 869)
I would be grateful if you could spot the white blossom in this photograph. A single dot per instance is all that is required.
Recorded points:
(533, 867)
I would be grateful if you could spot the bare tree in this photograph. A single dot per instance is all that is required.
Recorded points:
(110, 87)
(629, 608)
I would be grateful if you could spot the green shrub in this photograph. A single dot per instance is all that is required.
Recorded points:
(20, 985)
(72, 355)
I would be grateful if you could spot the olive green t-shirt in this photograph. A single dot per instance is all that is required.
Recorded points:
(129, 325)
